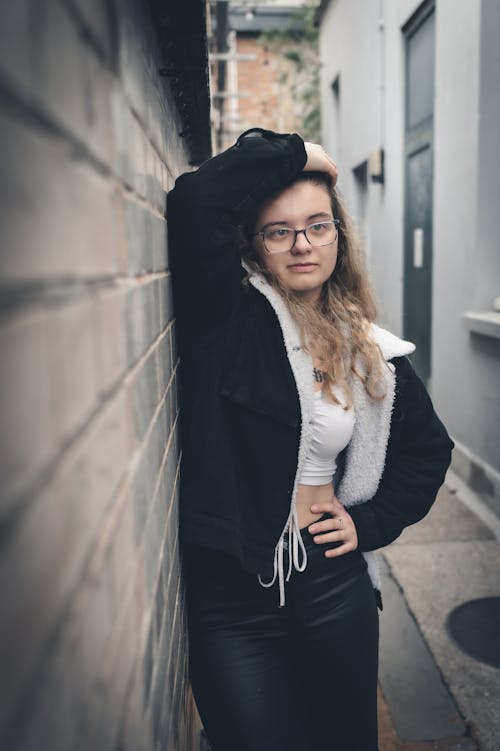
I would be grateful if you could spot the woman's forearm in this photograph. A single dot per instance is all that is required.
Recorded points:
(259, 163)
(204, 210)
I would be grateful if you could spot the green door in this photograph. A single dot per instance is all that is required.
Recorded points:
(417, 290)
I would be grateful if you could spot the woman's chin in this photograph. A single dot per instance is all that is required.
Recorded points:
(304, 286)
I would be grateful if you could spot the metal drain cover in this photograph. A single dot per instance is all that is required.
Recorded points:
(475, 628)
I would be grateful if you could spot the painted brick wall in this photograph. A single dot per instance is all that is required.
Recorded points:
(92, 630)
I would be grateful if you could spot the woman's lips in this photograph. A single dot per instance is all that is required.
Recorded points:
(302, 267)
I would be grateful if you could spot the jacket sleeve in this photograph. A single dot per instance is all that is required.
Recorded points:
(418, 455)
(204, 210)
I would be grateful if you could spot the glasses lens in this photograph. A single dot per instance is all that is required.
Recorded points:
(282, 239)
(321, 233)
(278, 239)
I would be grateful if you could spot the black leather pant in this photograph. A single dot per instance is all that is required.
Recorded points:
(298, 678)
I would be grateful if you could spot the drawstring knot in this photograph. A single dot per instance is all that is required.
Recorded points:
(294, 546)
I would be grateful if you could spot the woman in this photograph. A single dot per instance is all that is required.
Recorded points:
(308, 441)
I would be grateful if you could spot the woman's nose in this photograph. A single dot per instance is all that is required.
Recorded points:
(302, 244)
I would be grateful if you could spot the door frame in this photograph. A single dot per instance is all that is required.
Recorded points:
(416, 139)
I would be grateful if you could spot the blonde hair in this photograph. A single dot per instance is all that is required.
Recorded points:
(337, 327)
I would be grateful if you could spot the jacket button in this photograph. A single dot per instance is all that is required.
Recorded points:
(296, 348)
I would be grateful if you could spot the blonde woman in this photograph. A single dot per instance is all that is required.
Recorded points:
(308, 442)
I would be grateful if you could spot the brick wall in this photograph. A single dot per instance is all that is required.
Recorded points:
(262, 79)
(272, 86)
(92, 629)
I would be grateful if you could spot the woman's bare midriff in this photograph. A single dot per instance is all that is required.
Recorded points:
(307, 495)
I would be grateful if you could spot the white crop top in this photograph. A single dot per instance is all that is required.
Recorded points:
(332, 431)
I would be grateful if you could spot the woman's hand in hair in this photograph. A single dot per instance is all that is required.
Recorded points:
(334, 530)
(319, 161)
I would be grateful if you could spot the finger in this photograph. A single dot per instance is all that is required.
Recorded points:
(330, 537)
(318, 159)
(332, 167)
(348, 540)
(341, 550)
(325, 506)
(333, 170)
(326, 525)
(336, 502)
(329, 507)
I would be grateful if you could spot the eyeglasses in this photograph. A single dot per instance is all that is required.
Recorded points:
(282, 239)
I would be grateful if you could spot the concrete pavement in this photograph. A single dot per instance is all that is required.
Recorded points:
(433, 695)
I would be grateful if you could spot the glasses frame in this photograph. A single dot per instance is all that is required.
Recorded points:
(335, 222)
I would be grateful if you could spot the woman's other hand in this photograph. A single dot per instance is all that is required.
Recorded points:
(319, 161)
(339, 528)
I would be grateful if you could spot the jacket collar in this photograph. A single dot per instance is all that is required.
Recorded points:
(390, 344)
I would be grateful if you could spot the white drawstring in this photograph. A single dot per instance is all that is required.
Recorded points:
(295, 543)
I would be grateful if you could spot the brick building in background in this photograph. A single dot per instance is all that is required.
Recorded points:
(102, 105)
(264, 69)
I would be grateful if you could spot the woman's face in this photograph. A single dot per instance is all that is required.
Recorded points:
(305, 267)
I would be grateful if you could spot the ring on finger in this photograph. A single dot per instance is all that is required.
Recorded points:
(341, 522)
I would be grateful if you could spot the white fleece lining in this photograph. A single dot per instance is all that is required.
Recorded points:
(366, 450)
(301, 364)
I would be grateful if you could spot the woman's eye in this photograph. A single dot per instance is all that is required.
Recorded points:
(318, 227)
(279, 234)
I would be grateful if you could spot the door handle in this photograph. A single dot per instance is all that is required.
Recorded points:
(418, 248)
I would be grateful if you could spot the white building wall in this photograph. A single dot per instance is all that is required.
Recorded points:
(362, 42)
(467, 228)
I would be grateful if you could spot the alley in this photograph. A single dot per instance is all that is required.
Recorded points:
(103, 105)
(452, 701)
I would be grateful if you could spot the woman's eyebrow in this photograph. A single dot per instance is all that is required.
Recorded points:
(272, 224)
(282, 223)
(320, 213)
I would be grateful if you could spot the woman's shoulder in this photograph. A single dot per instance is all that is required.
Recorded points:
(391, 346)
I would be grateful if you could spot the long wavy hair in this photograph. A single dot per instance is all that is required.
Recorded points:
(336, 328)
